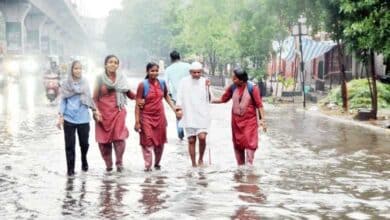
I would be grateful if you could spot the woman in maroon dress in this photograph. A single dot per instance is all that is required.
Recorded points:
(110, 96)
(246, 102)
(150, 120)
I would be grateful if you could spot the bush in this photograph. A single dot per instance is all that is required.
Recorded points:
(359, 95)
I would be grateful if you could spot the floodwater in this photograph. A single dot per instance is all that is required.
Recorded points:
(307, 167)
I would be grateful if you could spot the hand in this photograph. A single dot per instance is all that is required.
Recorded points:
(97, 116)
(263, 125)
(215, 101)
(141, 103)
(179, 113)
(208, 82)
(137, 127)
(60, 122)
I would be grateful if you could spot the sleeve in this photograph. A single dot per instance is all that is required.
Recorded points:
(257, 97)
(62, 106)
(140, 91)
(179, 94)
(167, 79)
(227, 95)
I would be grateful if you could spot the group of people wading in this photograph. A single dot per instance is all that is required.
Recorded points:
(186, 92)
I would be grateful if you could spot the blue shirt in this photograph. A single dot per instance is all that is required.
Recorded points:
(174, 74)
(73, 110)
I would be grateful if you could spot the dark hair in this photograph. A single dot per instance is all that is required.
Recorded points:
(106, 61)
(174, 55)
(241, 74)
(149, 66)
(74, 64)
(109, 57)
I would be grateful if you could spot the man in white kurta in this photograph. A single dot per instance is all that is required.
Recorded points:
(193, 98)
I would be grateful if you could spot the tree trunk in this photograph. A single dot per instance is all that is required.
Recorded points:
(212, 61)
(374, 101)
(344, 91)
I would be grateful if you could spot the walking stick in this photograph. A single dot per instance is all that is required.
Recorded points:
(209, 95)
(209, 156)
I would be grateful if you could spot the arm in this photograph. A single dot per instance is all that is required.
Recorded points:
(262, 118)
(88, 92)
(95, 97)
(137, 126)
(60, 121)
(137, 112)
(62, 107)
(224, 98)
(259, 107)
(168, 99)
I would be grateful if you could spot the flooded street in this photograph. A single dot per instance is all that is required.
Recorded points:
(307, 167)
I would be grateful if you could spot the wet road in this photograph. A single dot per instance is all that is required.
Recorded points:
(307, 167)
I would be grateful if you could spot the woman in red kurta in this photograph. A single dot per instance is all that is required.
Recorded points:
(110, 96)
(246, 102)
(150, 119)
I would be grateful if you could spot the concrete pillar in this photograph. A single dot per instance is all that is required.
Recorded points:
(45, 37)
(3, 42)
(15, 12)
(34, 23)
(54, 36)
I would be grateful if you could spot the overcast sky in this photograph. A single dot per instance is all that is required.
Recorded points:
(97, 8)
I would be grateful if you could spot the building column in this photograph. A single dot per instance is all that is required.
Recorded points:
(15, 12)
(34, 23)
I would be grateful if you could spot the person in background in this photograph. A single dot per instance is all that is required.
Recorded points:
(173, 75)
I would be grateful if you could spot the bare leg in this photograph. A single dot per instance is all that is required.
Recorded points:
(202, 147)
(250, 155)
(240, 156)
(148, 157)
(119, 147)
(106, 151)
(158, 151)
(191, 149)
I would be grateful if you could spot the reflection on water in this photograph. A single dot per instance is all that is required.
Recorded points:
(152, 191)
(307, 167)
(111, 196)
(74, 203)
(248, 187)
(249, 192)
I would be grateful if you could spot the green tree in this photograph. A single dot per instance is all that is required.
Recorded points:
(141, 31)
(367, 30)
(333, 23)
(207, 32)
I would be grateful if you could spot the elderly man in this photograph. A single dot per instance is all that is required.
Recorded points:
(173, 75)
(193, 98)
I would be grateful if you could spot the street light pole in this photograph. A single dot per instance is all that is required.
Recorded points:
(302, 64)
